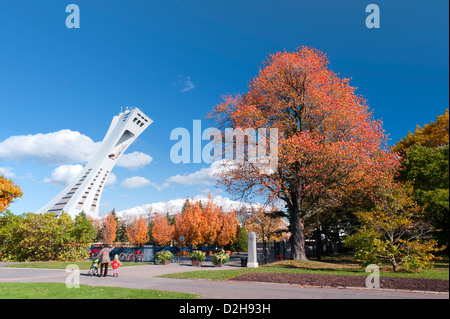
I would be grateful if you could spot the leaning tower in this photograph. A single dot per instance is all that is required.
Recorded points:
(84, 192)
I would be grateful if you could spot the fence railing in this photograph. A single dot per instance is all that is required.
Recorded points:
(281, 250)
(126, 252)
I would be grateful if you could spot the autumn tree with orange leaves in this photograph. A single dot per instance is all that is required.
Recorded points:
(109, 229)
(8, 192)
(205, 224)
(162, 230)
(328, 141)
(137, 231)
(266, 224)
(212, 214)
(190, 224)
(228, 228)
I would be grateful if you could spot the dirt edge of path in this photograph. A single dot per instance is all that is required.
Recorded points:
(396, 283)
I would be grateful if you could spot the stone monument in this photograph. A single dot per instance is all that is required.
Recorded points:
(252, 255)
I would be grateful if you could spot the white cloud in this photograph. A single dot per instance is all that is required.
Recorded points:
(134, 161)
(61, 147)
(7, 172)
(174, 206)
(204, 176)
(64, 174)
(185, 83)
(111, 179)
(137, 182)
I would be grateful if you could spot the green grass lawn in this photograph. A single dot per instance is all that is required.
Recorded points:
(60, 291)
(332, 265)
(83, 265)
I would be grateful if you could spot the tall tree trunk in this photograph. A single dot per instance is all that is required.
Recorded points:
(298, 251)
(319, 244)
(394, 263)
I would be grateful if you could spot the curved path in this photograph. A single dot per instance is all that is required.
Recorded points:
(143, 277)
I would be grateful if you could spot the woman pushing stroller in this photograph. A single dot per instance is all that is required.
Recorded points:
(104, 259)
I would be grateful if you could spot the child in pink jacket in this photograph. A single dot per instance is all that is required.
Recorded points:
(115, 266)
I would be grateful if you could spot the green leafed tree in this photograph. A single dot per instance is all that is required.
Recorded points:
(425, 164)
(43, 237)
(427, 170)
(394, 231)
(84, 231)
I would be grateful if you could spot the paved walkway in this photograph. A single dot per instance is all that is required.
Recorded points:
(143, 277)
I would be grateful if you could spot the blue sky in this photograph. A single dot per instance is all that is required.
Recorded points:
(174, 59)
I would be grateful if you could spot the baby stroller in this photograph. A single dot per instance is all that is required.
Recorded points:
(94, 267)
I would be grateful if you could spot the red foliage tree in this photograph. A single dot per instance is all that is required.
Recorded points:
(329, 142)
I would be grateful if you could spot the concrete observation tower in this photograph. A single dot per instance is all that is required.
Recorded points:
(84, 192)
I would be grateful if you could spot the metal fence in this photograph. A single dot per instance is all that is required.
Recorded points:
(281, 250)
(272, 251)
(127, 253)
